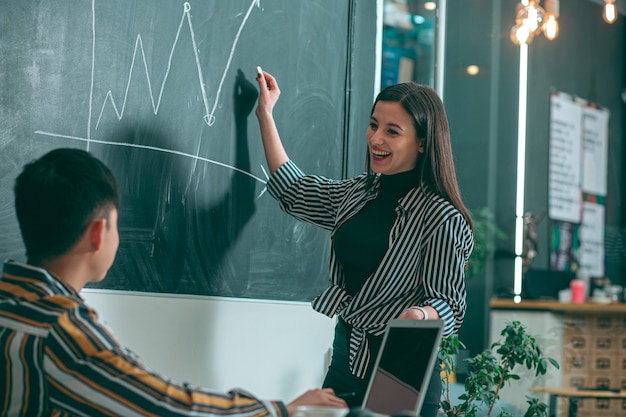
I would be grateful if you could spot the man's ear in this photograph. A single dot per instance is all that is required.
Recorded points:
(96, 233)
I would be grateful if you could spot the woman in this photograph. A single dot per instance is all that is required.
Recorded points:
(400, 233)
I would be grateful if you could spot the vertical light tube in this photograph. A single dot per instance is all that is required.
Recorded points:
(441, 42)
(379, 47)
(521, 171)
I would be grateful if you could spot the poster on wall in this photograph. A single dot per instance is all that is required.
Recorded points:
(592, 236)
(578, 183)
(564, 173)
(595, 149)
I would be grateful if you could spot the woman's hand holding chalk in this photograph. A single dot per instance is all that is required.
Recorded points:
(259, 73)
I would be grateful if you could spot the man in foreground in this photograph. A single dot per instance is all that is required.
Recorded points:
(56, 357)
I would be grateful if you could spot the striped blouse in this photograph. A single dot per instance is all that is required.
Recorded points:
(429, 245)
(56, 358)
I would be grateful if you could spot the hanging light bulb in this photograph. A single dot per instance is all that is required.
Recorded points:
(520, 34)
(550, 24)
(531, 16)
(609, 11)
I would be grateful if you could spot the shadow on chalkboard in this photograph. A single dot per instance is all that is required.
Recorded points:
(218, 227)
(175, 235)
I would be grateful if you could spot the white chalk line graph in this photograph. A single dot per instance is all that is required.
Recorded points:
(155, 148)
(209, 117)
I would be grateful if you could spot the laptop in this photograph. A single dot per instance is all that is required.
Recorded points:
(403, 367)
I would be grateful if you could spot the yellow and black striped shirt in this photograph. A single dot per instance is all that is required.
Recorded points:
(57, 358)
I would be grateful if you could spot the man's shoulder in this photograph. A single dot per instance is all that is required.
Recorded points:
(31, 311)
(30, 298)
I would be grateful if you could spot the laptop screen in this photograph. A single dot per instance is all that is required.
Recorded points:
(404, 366)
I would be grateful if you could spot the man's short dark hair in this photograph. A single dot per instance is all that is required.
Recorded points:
(56, 198)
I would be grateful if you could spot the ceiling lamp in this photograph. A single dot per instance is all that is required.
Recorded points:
(531, 15)
(551, 23)
(609, 11)
(520, 34)
(531, 19)
(528, 20)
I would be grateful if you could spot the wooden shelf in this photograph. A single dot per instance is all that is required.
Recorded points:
(555, 306)
(579, 393)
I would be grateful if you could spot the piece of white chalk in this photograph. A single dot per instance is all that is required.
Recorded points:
(259, 71)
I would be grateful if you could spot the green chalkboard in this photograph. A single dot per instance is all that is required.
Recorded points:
(163, 92)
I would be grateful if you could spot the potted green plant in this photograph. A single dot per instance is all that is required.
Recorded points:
(489, 372)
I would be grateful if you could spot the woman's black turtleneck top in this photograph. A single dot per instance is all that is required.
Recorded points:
(361, 242)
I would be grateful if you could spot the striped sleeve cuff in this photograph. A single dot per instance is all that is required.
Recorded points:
(445, 314)
(282, 178)
(276, 408)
